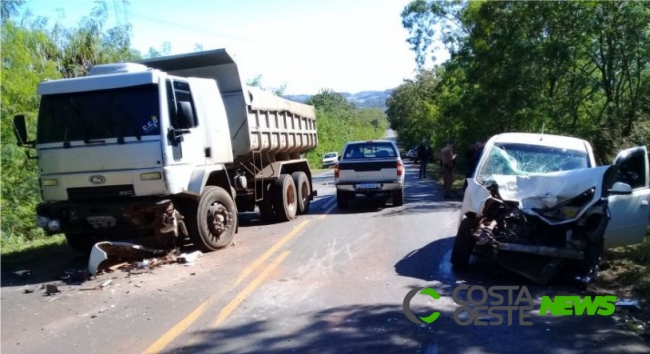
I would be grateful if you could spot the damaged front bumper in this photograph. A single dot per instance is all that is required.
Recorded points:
(138, 217)
(535, 233)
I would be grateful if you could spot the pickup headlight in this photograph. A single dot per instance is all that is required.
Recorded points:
(50, 182)
(150, 176)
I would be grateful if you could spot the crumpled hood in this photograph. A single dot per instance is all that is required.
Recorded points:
(543, 190)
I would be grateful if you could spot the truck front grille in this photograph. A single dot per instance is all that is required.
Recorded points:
(85, 194)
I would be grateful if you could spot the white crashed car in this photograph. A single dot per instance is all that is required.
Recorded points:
(537, 203)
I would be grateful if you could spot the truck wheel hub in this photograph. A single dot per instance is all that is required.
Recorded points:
(220, 217)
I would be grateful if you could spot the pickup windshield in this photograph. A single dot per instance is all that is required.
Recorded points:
(370, 150)
(526, 159)
(329, 155)
(94, 115)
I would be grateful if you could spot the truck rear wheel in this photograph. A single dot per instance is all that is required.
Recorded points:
(213, 225)
(267, 214)
(285, 202)
(304, 190)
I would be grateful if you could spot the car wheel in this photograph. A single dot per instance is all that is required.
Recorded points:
(342, 200)
(398, 197)
(463, 244)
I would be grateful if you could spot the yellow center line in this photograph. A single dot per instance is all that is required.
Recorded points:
(181, 326)
(251, 268)
(226, 311)
(178, 329)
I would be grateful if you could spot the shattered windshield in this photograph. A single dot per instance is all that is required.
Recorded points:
(93, 115)
(525, 159)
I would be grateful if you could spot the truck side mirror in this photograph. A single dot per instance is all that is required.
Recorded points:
(186, 114)
(620, 188)
(20, 130)
(339, 158)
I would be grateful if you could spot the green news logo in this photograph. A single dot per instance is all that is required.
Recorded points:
(483, 302)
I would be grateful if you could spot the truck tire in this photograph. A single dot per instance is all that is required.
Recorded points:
(304, 190)
(398, 197)
(342, 200)
(82, 242)
(267, 214)
(463, 244)
(285, 201)
(213, 225)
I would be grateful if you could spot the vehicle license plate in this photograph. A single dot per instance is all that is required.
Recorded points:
(368, 186)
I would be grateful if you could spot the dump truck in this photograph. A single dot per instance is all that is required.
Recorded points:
(167, 149)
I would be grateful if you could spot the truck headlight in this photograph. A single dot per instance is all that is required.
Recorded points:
(50, 182)
(150, 176)
(54, 225)
(42, 221)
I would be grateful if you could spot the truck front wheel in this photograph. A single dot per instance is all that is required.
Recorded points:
(82, 242)
(213, 225)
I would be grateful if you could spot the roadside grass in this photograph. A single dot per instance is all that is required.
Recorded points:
(20, 254)
(625, 272)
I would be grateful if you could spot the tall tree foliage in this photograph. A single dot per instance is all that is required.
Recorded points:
(34, 52)
(577, 68)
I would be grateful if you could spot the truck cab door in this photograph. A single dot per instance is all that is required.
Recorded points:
(184, 137)
(630, 212)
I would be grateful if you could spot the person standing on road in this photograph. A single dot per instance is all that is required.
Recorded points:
(447, 163)
(469, 158)
(423, 153)
(473, 159)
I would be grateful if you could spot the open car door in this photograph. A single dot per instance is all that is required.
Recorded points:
(630, 212)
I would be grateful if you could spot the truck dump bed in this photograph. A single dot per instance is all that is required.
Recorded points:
(259, 121)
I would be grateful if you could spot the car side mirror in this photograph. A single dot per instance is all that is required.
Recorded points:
(339, 158)
(620, 188)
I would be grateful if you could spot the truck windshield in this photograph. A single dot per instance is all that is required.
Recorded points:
(525, 159)
(370, 150)
(93, 115)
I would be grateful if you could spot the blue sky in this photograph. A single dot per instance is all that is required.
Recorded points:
(345, 45)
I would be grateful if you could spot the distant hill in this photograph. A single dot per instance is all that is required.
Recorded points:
(364, 99)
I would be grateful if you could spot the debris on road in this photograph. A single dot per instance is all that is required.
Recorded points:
(100, 286)
(628, 303)
(51, 289)
(104, 253)
(189, 258)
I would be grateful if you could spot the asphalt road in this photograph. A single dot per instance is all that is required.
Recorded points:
(328, 282)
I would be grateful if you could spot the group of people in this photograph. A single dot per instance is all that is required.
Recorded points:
(448, 162)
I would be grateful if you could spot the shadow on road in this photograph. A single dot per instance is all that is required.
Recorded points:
(385, 329)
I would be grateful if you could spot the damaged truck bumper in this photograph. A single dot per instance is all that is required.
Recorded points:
(113, 221)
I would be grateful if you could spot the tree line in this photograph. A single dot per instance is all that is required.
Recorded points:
(579, 68)
(34, 50)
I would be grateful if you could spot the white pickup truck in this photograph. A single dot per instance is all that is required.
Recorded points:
(369, 168)
(538, 202)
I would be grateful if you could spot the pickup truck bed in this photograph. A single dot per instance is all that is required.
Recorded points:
(369, 167)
